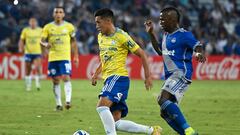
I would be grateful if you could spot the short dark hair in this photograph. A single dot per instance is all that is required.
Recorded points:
(171, 8)
(60, 7)
(104, 13)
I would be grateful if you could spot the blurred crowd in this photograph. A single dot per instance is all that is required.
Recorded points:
(216, 23)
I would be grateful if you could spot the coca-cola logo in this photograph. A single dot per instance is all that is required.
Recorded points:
(226, 69)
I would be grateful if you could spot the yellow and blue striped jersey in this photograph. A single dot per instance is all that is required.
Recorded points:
(32, 38)
(113, 52)
(59, 36)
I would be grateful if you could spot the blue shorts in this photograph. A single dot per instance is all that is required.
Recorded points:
(116, 89)
(31, 57)
(57, 68)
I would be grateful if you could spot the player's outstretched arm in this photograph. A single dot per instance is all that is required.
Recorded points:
(148, 79)
(149, 29)
(200, 54)
(95, 75)
(75, 51)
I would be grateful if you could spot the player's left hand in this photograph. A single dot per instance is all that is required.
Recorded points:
(200, 57)
(148, 83)
(76, 61)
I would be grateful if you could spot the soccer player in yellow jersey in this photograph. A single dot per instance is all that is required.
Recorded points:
(114, 45)
(58, 36)
(29, 44)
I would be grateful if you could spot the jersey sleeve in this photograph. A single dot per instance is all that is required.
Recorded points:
(44, 32)
(129, 43)
(191, 41)
(23, 34)
(72, 31)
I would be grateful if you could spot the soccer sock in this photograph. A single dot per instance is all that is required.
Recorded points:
(174, 113)
(68, 91)
(174, 126)
(57, 93)
(28, 81)
(37, 80)
(107, 120)
(129, 126)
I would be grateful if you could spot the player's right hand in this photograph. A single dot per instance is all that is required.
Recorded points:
(45, 44)
(94, 80)
(148, 26)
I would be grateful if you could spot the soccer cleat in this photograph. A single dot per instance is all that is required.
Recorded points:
(59, 108)
(156, 130)
(68, 105)
(190, 131)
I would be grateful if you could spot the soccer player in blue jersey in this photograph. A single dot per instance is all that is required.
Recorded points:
(114, 45)
(176, 49)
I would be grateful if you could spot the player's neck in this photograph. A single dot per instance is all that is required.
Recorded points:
(173, 30)
(33, 27)
(111, 31)
(57, 22)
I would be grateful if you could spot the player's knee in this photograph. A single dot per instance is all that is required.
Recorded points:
(160, 100)
(163, 114)
(66, 78)
(56, 81)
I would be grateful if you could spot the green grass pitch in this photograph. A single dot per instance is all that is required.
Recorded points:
(211, 107)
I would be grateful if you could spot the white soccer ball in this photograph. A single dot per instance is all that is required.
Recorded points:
(81, 132)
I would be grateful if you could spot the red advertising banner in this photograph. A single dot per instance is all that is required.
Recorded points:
(216, 67)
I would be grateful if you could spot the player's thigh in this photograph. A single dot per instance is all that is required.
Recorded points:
(104, 101)
(56, 79)
(38, 61)
(65, 68)
(176, 86)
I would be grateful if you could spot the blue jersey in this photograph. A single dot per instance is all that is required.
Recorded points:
(177, 49)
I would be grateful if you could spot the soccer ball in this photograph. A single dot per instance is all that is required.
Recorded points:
(81, 132)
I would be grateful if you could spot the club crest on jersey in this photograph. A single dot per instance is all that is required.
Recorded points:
(113, 42)
(64, 30)
(173, 40)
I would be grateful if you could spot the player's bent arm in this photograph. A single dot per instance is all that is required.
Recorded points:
(44, 43)
(140, 53)
(148, 79)
(199, 54)
(155, 43)
(21, 45)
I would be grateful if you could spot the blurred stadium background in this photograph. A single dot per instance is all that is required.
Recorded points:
(209, 105)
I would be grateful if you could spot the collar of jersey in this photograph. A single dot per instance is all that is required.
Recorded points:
(58, 24)
(116, 29)
(179, 29)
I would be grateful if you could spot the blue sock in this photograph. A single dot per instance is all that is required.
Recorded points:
(174, 126)
(174, 113)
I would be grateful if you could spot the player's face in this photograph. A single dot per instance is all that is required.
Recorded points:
(101, 24)
(166, 21)
(58, 14)
(33, 23)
